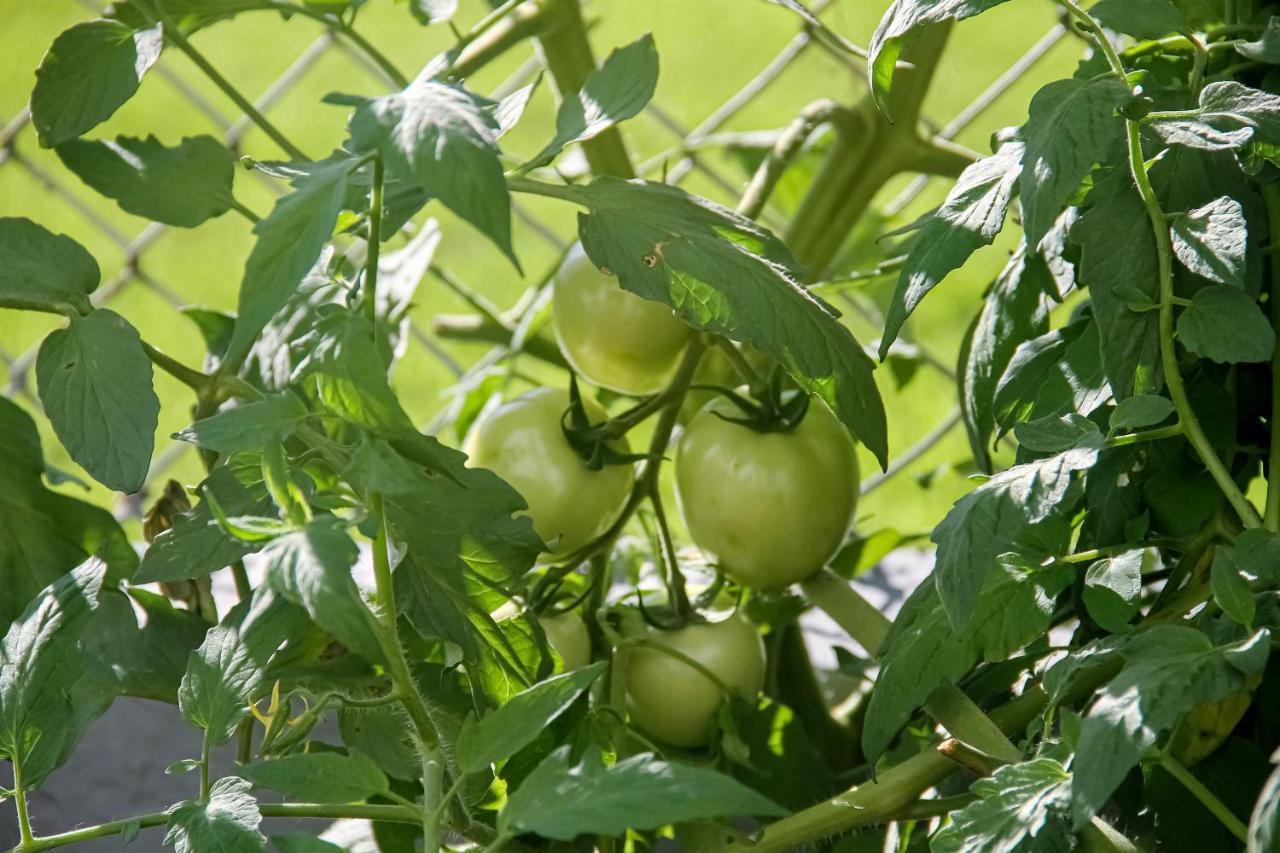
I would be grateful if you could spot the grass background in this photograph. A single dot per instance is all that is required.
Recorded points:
(708, 50)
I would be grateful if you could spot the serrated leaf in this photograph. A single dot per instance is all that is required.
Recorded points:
(446, 139)
(147, 661)
(1071, 125)
(184, 185)
(971, 217)
(1054, 434)
(91, 69)
(1027, 372)
(1144, 19)
(1021, 807)
(1112, 588)
(289, 241)
(560, 801)
(1169, 669)
(1225, 325)
(505, 731)
(94, 380)
(1228, 116)
(319, 777)
(614, 92)
(903, 21)
(723, 273)
(43, 271)
(227, 823)
(1210, 241)
(249, 426)
(1230, 588)
(1141, 410)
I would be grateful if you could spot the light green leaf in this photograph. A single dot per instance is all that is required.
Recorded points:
(94, 379)
(725, 274)
(560, 802)
(249, 426)
(971, 217)
(505, 731)
(1021, 807)
(1230, 588)
(90, 70)
(1210, 241)
(184, 185)
(1225, 325)
(319, 777)
(1144, 19)
(43, 271)
(1112, 588)
(614, 92)
(227, 823)
(1141, 410)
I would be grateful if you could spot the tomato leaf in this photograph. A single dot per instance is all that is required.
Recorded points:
(1141, 410)
(1257, 551)
(227, 822)
(1224, 324)
(319, 777)
(1112, 588)
(146, 661)
(249, 426)
(1054, 434)
(971, 217)
(94, 379)
(1229, 116)
(1265, 49)
(614, 92)
(560, 801)
(1210, 241)
(89, 72)
(183, 185)
(1021, 806)
(43, 271)
(725, 274)
(1264, 824)
(1230, 588)
(1144, 19)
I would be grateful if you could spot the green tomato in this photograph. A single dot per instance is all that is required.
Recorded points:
(567, 635)
(614, 338)
(523, 443)
(770, 507)
(676, 704)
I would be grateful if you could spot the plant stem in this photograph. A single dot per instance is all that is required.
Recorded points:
(1206, 797)
(784, 151)
(432, 802)
(370, 296)
(174, 34)
(1145, 435)
(1271, 515)
(244, 211)
(189, 376)
(336, 24)
(20, 802)
(205, 749)
(756, 383)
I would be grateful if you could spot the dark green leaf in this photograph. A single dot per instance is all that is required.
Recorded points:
(1224, 324)
(94, 379)
(725, 274)
(319, 777)
(1027, 372)
(43, 271)
(970, 218)
(1021, 807)
(1230, 588)
(1141, 410)
(1257, 551)
(445, 138)
(89, 72)
(1229, 115)
(1265, 49)
(1210, 241)
(504, 732)
(182, 186)
(146, 661)
(249, 426)
(560, 801)
(227, 823)
(1144, 19)
(1112, 588)
(1053, 434)
(1264, 824)
(614, 92)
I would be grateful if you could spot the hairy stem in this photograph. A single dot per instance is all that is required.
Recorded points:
(20, 802)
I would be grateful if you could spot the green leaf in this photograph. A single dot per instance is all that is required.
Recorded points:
(249, 426)
(1054, 434)
(1265, 49)
(445, 138)
(43, 271)
(1229, 115)
(507, 730)
(427, 12)
(901, 23)
(614, 92)
(1169, 669)
(1141, 410)
(986, 522)
(971, 217)
(1257, 551)
(1027, 373)
(1144, 19)
(227, 823)
(1071, 125)
(1113, 587)
(302, 842)
(289, 241)
(1020, 807)
(1264, 824)
(1210, 241)
(184, 185)
(40, 663)
(90, 70)
(319, 777)
(560, 801)
(725, 274)
(224, 674)
(146, 661)
(312, 569)
(1225, 325)
(94, 379)
(1230, 588)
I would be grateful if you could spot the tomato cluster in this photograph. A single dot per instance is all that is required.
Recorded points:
(768, 501)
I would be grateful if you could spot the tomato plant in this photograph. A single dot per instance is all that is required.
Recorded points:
(539, 657)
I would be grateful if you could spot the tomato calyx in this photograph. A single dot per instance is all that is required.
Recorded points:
(592, 442)
(776, 410)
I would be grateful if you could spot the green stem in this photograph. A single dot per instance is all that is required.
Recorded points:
(1206, 797)
(756, 383)
(1271, 515)
(784, 151)
(1146, 435)
(244, 211)
(20, 801)
(205, 750)
(174, 34)
(370, 296)
(432, 802)
(189, 376)
(532, 187)
(336, 24)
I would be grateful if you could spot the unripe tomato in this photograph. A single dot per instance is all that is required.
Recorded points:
(614, 338)
(770, 507)
(567, 635)
(675, 703)
(523, 442)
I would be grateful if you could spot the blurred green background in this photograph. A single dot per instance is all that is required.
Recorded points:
(709, 49)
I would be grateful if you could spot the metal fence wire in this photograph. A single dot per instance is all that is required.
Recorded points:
(134, 272)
